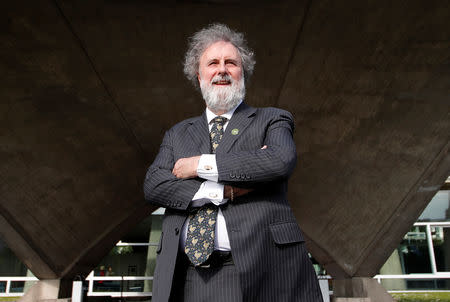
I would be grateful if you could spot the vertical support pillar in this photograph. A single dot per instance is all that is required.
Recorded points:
(77, 291)
(51, 289)
(42, 290)
(8, 286)
(431, 249)
(359, 289)
(323, 283)
(154, 236)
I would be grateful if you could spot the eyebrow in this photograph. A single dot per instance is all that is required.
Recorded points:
(226, 60)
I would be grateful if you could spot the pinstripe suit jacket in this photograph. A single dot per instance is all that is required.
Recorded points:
(266, 242)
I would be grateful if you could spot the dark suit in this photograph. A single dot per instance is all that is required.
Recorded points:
(267, 244)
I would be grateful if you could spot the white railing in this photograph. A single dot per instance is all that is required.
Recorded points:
(91, 278)
(414, 276)
(9, 280)
(434, 276)
(434, 273)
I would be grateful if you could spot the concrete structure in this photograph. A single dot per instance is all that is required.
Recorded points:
(46, 290)
(360, 290)
(89, 87)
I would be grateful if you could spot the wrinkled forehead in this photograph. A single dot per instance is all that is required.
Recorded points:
(220, 50)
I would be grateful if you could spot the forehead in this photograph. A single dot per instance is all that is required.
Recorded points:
(220, 49)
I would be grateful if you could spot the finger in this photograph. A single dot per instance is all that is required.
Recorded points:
(176, 172)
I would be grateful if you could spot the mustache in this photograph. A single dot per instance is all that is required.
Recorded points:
(222, 78)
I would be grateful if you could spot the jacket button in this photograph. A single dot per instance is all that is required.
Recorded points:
(177, 231)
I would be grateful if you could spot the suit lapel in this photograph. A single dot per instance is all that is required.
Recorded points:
(241, 118)
(199, 133)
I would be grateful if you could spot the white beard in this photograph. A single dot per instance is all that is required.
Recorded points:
(222, 98)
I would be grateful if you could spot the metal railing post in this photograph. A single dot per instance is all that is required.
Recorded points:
(77, 291)
(431, 249)
(8, 286)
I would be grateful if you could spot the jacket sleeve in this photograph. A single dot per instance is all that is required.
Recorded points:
(161, 187)
(262, 165)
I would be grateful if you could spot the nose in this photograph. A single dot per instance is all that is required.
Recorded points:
(222, 68)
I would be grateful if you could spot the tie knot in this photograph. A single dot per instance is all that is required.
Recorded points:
(219, 120)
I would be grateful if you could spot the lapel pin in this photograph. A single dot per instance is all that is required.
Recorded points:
(235, 131)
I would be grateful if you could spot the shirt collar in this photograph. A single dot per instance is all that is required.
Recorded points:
(210, 115)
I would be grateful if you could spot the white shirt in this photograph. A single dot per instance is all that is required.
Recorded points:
(211, 189)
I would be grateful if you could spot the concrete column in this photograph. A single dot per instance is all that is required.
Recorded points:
(359, 289)
(28, 284)
(393, 266)
(155, 234)
(42, 290)
(48, 290)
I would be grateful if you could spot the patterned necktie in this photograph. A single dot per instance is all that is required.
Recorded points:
(200, 234)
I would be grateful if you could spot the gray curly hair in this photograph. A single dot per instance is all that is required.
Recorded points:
(207, 36)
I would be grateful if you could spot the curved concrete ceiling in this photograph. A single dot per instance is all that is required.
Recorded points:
(90, 87)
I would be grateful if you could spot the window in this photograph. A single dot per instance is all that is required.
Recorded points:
(422, 260)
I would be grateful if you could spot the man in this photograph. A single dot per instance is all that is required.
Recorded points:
(228, 233)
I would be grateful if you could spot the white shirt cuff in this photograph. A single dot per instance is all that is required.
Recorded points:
(210, 190)
(207, 167)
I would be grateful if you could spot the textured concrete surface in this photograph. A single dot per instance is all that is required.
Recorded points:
(89, 87)
(43, 290)
(359, 289)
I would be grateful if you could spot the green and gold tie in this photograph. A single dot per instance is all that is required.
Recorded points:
(200, 234)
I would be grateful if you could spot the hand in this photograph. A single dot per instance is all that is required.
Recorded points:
(186, 167)
(236, 191)
(264, 147)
